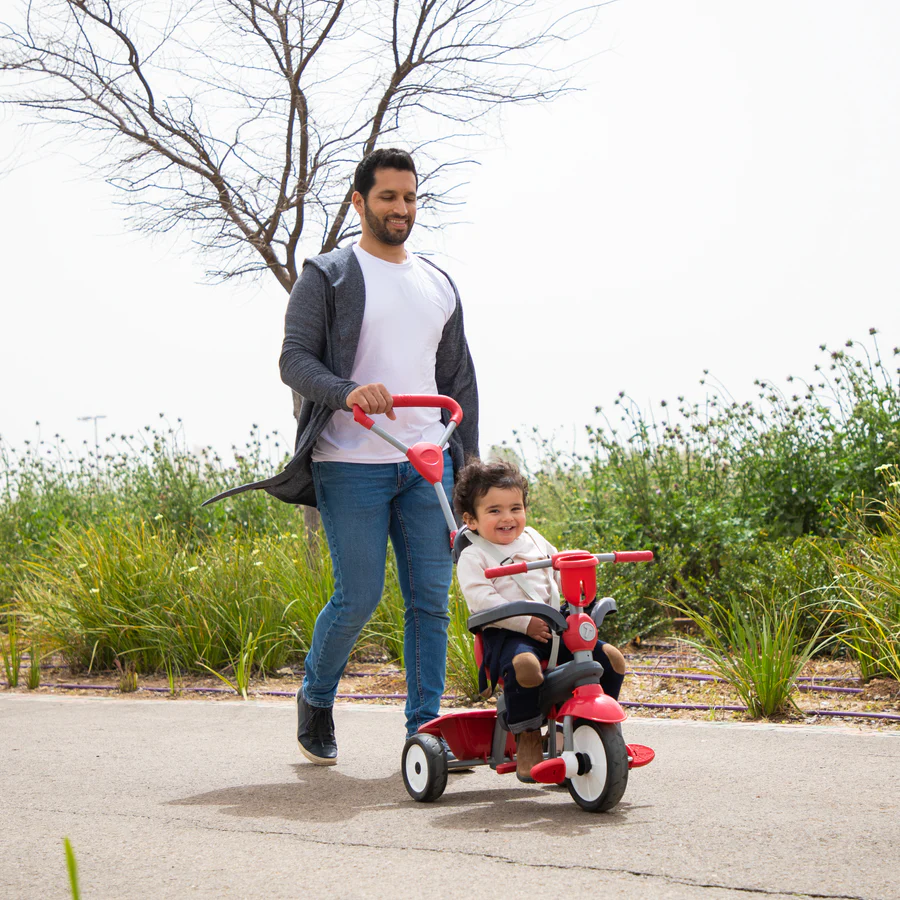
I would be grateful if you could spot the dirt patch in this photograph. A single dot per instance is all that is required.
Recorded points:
(664, 673)
(882, 689)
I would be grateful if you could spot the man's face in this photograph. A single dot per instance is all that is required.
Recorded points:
(390, 209)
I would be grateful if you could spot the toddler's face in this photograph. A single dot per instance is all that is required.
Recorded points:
(499, 515)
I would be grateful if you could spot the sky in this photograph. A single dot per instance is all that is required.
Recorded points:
(723, 194)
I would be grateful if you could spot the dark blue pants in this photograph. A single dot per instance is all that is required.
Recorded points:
(522, 707)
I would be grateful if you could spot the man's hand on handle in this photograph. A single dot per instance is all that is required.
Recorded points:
(372, 399)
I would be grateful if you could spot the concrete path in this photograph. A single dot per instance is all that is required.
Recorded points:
(187, 799)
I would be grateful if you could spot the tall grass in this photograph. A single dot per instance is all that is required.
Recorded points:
(153, 476)
(757, 645)
(462, 670)
(137, 593)
(11, 647)
(867, 569)
(106, 553)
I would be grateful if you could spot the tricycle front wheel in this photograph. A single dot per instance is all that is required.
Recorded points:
(602, 763)
(424, 766)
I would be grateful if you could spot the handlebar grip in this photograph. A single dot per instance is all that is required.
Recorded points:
(513, 569)
(625, 556)
(439, 400)
(406, 400)
(361, 417)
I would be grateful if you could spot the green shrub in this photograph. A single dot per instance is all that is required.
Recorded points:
(136, 593)
(462, 670)
(721, 489)
(867, 572)
(757, 645)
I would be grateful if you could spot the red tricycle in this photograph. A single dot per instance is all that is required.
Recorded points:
(594, 759)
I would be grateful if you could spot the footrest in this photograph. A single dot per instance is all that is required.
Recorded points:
(639, 755)
(550, 771)
(505, 768)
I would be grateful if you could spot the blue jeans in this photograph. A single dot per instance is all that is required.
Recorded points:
(362, 505)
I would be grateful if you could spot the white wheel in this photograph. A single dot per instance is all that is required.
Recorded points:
(603, 764)
(424, 767)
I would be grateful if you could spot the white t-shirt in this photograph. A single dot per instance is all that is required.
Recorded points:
(407, 306)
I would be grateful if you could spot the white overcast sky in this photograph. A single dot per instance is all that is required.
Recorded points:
(725, 194)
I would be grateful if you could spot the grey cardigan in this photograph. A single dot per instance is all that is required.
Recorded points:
(321, 334)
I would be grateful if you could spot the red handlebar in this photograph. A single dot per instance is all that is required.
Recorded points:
(514, 569)
(622, 556)
(404, 400)
(634, 556)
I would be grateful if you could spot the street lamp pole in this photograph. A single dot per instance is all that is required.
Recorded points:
(96, 435)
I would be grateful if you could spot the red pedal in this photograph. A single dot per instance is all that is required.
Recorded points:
(639, 755)
(505, 768)
(550, 771)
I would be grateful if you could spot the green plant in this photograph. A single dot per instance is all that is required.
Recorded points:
(35, 656)
(128, 677)
(757, 646)
(867, 570)
(462, 670)
(712, 486)
(171, 675)
(242, 664)
(11, 648)
(72, 867)
(138, 593)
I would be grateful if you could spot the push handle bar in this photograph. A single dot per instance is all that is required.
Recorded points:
(621, 556)
(403, 400)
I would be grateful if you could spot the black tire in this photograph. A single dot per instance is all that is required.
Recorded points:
(601, 787)
(424, 768)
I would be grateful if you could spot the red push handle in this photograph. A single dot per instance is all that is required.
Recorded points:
(405, 400)
(623, 556)
(440, 400)
(513, 569)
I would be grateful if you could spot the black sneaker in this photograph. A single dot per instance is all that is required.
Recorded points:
(315, 732)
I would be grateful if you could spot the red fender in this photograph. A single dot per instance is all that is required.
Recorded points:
(589, 702)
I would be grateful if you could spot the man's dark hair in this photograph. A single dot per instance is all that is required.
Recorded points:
(477, 478)
(383, 158)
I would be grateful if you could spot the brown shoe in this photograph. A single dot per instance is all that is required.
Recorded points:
(528, 670)
(528, 754)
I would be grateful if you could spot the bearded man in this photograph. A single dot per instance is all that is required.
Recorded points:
(365, 322)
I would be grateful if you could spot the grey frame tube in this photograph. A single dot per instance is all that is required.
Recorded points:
(445, 506)
(390, 439)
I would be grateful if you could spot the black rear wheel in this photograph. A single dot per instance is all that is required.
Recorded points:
(424, 767)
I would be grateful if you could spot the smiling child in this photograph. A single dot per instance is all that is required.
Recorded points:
(492, 500)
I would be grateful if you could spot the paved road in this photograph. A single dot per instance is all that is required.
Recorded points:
(189, 799)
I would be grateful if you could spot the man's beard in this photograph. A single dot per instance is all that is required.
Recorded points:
(383, 233)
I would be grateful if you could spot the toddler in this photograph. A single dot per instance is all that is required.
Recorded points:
(492, 498)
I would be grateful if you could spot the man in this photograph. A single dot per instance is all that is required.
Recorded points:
(365, 322)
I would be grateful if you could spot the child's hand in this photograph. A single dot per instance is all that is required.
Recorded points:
(538, 630)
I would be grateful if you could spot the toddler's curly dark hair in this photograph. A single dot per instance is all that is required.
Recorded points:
(477, 478)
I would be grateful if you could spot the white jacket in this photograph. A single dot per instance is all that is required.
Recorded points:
(482, 593)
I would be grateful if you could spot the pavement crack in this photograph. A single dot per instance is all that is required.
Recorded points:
(494, 857)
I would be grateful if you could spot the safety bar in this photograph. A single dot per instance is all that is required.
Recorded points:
(555, 620)
(621, 556)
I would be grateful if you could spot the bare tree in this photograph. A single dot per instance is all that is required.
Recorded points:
(240, 120)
